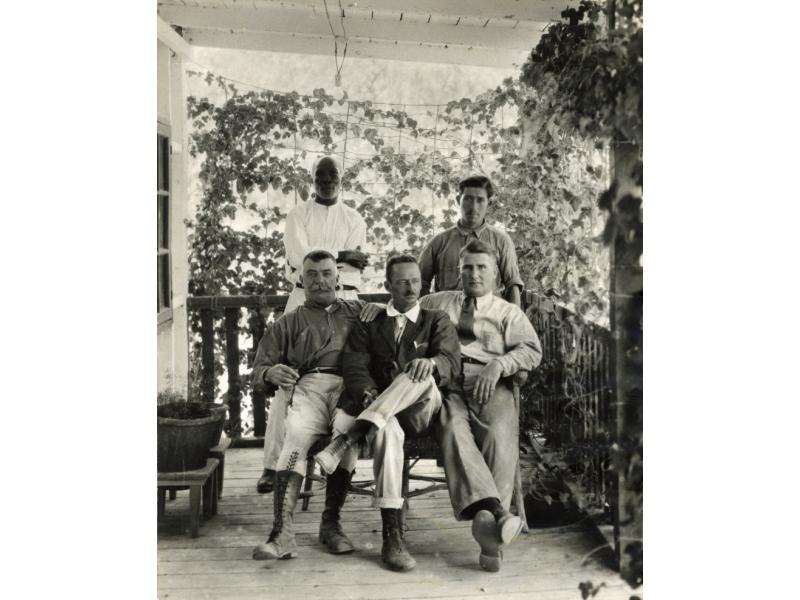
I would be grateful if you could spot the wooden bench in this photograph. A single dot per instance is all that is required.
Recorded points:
(201, 482)
(218, 452)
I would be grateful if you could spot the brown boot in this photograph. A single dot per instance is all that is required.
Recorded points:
(330, 529)
(266, 483)
(394, 552)
(281, 542)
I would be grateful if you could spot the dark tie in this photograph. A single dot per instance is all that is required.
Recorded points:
(466, 321)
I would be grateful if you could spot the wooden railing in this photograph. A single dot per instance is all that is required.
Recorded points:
(569, 398)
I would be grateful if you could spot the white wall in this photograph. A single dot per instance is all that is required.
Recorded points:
(172, 336)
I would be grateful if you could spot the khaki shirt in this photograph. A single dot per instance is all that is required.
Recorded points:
(439, 259)
(308, 337)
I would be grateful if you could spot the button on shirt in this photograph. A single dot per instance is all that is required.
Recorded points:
(313, 226)
(439, 259)
(400, 319)
(502, 331)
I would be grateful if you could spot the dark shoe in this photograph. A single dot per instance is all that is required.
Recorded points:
(266, 483)
(329, 457)
(281, 542)
(330, 529)
(485, 532)
(393, 551)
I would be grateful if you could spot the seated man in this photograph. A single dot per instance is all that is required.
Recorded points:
(478, 430)
(394, 366)
(301, 353)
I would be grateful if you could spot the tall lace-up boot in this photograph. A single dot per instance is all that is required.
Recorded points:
(330, 529)
(281, 542)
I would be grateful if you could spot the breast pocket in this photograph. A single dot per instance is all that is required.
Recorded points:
(491, 339)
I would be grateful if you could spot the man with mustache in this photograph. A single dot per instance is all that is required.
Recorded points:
(439, 259)
(322, 223)
(394, 367)
(301, 354)
(479, 428)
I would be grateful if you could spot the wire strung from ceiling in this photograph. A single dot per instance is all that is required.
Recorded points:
(338, 78)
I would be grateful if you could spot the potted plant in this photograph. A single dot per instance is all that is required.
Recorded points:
(186, 431)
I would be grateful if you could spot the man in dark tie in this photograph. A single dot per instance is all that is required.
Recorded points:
(479, 429)
(393, 370)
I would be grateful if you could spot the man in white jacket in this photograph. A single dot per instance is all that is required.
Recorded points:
(322, 223)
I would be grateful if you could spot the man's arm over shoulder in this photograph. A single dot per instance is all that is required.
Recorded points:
(523, 349)
(445, 348)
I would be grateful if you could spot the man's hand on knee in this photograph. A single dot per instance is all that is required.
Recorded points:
(282, 376)
(486, 382)
(419, 369)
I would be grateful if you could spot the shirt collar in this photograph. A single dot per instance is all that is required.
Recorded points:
(477, 230)
(411, 314)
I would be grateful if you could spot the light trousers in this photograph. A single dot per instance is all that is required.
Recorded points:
(404, 408)
(480, 446)
(312, 415)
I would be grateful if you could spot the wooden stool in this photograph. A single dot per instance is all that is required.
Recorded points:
(202, 480)
(218, 452)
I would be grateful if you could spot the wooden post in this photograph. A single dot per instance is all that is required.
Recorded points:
(207, 355)
(232, 363)
(626, 289)
(258, 395)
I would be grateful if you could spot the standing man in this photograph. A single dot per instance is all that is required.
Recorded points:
(323, 223)
(393, 368)
(479, 430)
(301, 354)
(439, 259)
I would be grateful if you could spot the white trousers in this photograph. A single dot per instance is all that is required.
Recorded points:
(404, 408)
(312, 415)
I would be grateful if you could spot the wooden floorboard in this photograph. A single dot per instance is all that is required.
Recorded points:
(547, 564)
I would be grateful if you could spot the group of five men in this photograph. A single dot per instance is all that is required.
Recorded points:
(426, 364)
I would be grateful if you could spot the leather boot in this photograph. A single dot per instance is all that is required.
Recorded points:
(330, 529)
(266, 483)
(394, 552)
(281, 542)
(485, 532)
(329, 457)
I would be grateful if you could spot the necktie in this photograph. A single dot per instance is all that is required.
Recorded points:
(400, 325)
(466, 321)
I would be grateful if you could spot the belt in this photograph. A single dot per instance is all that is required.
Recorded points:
(323, 370)
(468, 360)
(344, 286)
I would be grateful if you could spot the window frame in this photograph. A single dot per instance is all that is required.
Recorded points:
(164, 230)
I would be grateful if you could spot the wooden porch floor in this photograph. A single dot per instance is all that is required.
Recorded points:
(547, 564)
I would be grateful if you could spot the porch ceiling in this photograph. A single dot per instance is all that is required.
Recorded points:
(488, 33)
